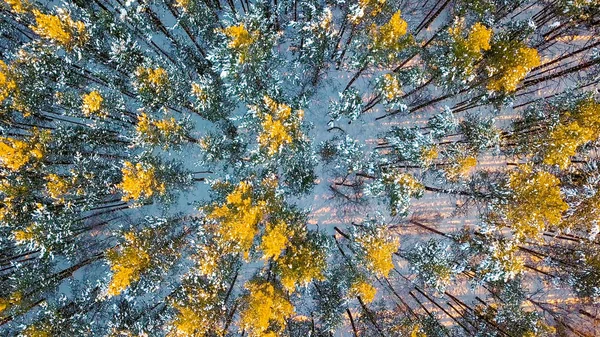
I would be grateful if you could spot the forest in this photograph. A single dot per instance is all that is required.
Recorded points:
(300, 168)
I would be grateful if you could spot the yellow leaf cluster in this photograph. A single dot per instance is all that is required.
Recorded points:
(139, 181)
(190, 323)
(388, 36)
(302, 263)
(35, 331)
(279, 126)
(92, 103)
(585, 215)
(15, 153)
(265, 306)
(13, 192)
(577, 128)
(326, 19)
(460, 168)
(417, 331)
(429, 154)
(563, 143)
(200, 93)
(507, 74)
(378, 251)
(588, 115)
(151, 79)
(6, 84)
(60, 29)
(391, 87)
(239, 218)
(183, 4)
(479, 38)
(239, 36)
(127, 264)
(24, 236)
(468, 50)
(239, 39)
(274, 240)
(364, 289)
(510, 262)
(13, 299)
(18, 6)
(57, 186)
(155, 131)
(274, 135)
(167, 126)
(208, 260)
(406, 181)
(536, 202)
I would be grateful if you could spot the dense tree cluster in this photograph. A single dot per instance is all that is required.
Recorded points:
(300, 168)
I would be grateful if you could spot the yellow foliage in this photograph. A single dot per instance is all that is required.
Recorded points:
(183, 4)
(510, 262)
(239, 39)
(364, 289)
(167, 126)
(139, 181)
(301, 263)
(388, 36)
(479, 38)
(274, 240)
(35, 331)
(190, 323)
(127, 264)
(209, 259)
(406, 180)
(265, 305)
(391, 87)
(468, 50)
(92, 103)
(18, 6)
(13, 192)
(563, 143)
(199, 92)
(509, 71)
(24, 236)
(151, 80)
(239, 218)
(158, 131)
(239, 36)
(587, 115)
(460, 168)
(14, 299)
(577, 127)
(378, 251)
(326, 19)
(417, 332)
(7, 86)
(536, 202)
(60, 29)
(274, 135)
(145, 124)
(15, 154)
(429, 154)
(57, 186)
(278, 126)
(585, 215)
